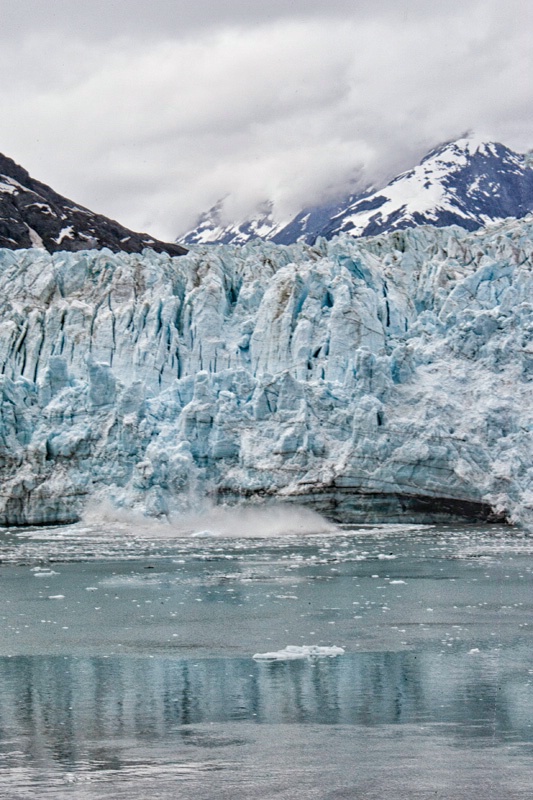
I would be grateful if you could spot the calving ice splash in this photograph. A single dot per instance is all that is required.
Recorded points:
(257, 521)
(370, 380)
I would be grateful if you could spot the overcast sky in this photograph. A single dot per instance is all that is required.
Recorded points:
(149, 111)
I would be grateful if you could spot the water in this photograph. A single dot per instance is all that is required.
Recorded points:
(127, 669)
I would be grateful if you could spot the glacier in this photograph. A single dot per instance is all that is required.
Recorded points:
(377, 379)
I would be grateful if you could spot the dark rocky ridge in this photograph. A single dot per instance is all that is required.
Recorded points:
(34, 215)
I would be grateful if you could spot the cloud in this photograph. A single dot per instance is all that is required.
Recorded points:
(151, 112)
(108, 19)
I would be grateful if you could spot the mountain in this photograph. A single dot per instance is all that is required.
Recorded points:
(467, 182)
(212, 228)
(377, 379)
(33, 215)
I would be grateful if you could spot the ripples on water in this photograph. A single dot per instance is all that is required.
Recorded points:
(126, 660)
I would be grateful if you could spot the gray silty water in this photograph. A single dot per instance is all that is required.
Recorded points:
(123, 677)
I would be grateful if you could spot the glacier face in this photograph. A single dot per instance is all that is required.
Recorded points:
(382, 378)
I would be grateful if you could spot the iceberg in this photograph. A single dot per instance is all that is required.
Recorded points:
(371, 380)
(293, 652)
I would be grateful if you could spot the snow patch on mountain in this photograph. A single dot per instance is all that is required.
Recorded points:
(386, 378)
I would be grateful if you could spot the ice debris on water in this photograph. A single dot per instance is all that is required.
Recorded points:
(292, 652)
(386, 378)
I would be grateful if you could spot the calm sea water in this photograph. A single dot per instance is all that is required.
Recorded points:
(127, 669)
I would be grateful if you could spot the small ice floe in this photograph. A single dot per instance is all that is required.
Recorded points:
(44, 573)
(204, 534)
(300, 651)
(91, 588)
(56, 596)
(473, 650)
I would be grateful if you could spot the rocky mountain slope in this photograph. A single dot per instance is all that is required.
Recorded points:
(468, 182)
(33, 215)
(386, 378)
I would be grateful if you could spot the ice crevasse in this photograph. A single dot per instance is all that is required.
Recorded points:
(386, 378)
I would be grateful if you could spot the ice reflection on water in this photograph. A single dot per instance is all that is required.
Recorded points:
(137, 677)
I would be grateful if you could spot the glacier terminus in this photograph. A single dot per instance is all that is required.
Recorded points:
(378, 379)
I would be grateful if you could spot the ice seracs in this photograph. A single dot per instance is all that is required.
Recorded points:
(379, 379)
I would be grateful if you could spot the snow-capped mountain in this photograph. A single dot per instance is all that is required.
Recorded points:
(33, 215)
(383, 378)
(212, 228)
(311, 221)
(467, 182)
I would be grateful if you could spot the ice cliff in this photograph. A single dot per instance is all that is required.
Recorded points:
(382, 378)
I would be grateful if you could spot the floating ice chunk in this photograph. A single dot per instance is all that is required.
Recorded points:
(91, 588)
(56, 596)
(204, 534)
(473, 650)
(45, 573)
(292, 652)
